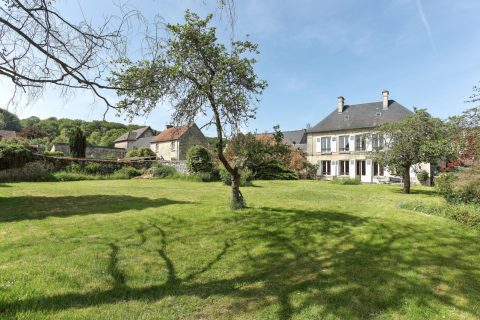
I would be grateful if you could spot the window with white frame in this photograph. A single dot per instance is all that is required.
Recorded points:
(344, 143)
(378, 170)
(377, 142)
(361, 168)
(156, 148)
(326, 168)
(344, 167)
(326, 144)
(360, 142)
(172, 146)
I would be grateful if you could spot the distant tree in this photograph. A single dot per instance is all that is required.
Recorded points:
(199, 76)
(77, 143)
(416, 139)
(9, 121)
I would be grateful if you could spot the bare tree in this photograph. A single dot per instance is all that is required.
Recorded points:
(40, 47)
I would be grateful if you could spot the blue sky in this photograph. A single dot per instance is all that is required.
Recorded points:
(425, 52)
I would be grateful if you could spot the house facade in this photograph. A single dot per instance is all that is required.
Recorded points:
(174, 142)
(93, 152)
(341, 144)
(135, 139)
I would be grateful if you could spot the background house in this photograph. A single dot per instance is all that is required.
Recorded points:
(94, 152)
(4, 134)
(340, 144)
(174, 142)
(135, 139)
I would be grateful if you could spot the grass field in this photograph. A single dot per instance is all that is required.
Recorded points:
(136, 249)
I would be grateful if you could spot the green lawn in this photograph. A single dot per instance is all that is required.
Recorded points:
(135, 249)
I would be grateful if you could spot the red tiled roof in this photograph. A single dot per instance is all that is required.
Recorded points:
(171, 134)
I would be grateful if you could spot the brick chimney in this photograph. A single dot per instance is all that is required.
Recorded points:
(341, 104)
(385, 94)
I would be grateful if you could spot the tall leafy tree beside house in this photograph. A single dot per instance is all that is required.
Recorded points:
(199, 76)
(416, 139)
(77, 143)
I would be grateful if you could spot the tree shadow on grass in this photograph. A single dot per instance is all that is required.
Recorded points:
(33, 207)
(2, 185)
(426, 192)
(331, 264)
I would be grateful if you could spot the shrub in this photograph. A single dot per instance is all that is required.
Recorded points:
(127, 173)
(92, 168)
(468, 214)
(73, 176)
(32, 172)
(199, 160)
(14, 156)
(141, 153)
(423, 177)
(275, 170)
(54, 153)
(460, 187)
(246, 177)
(163, 171)
(73, 168)
(346, 181)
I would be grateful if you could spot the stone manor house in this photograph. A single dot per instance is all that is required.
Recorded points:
(340, 144)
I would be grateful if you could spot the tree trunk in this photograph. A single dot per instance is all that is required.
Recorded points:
(237, 197)
(406, 179)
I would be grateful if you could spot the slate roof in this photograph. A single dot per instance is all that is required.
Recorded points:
(297, 138)
(171, 134)
(132, 135)
(142, 142)
(7, 134)
(360, 116)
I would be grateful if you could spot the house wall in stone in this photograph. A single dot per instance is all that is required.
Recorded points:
(192, 137)
(93, 152)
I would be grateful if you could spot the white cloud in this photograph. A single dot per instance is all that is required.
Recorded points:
(421, 13)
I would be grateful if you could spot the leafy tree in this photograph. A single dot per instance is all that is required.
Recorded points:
(416, 139)
(199, 160)
(198, 76)
(9, 121)
(77, 143)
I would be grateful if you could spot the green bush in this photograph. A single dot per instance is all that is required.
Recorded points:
(92, 168)
(73, 168)
(74, 176)
(54, 153)
(199, 160)
(468, 214)
(246, 177)
(346, 181)
(423, 177)
(127, 173)
(163, 171)
(275, 170)
(14, 156)
(140, 153)
(460, 187)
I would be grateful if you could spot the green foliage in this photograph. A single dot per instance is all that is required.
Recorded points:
(54, 153)
(246, 177)
(14, 155)
(78, 143)
(127, 173)
(73, 168)
(92, 168)
(346, 181)
(462, 186)
(275, 170)
(199, 160)
(163, 171)
(423, 177)
(9, 121)
(468, 214)
(140, 153)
